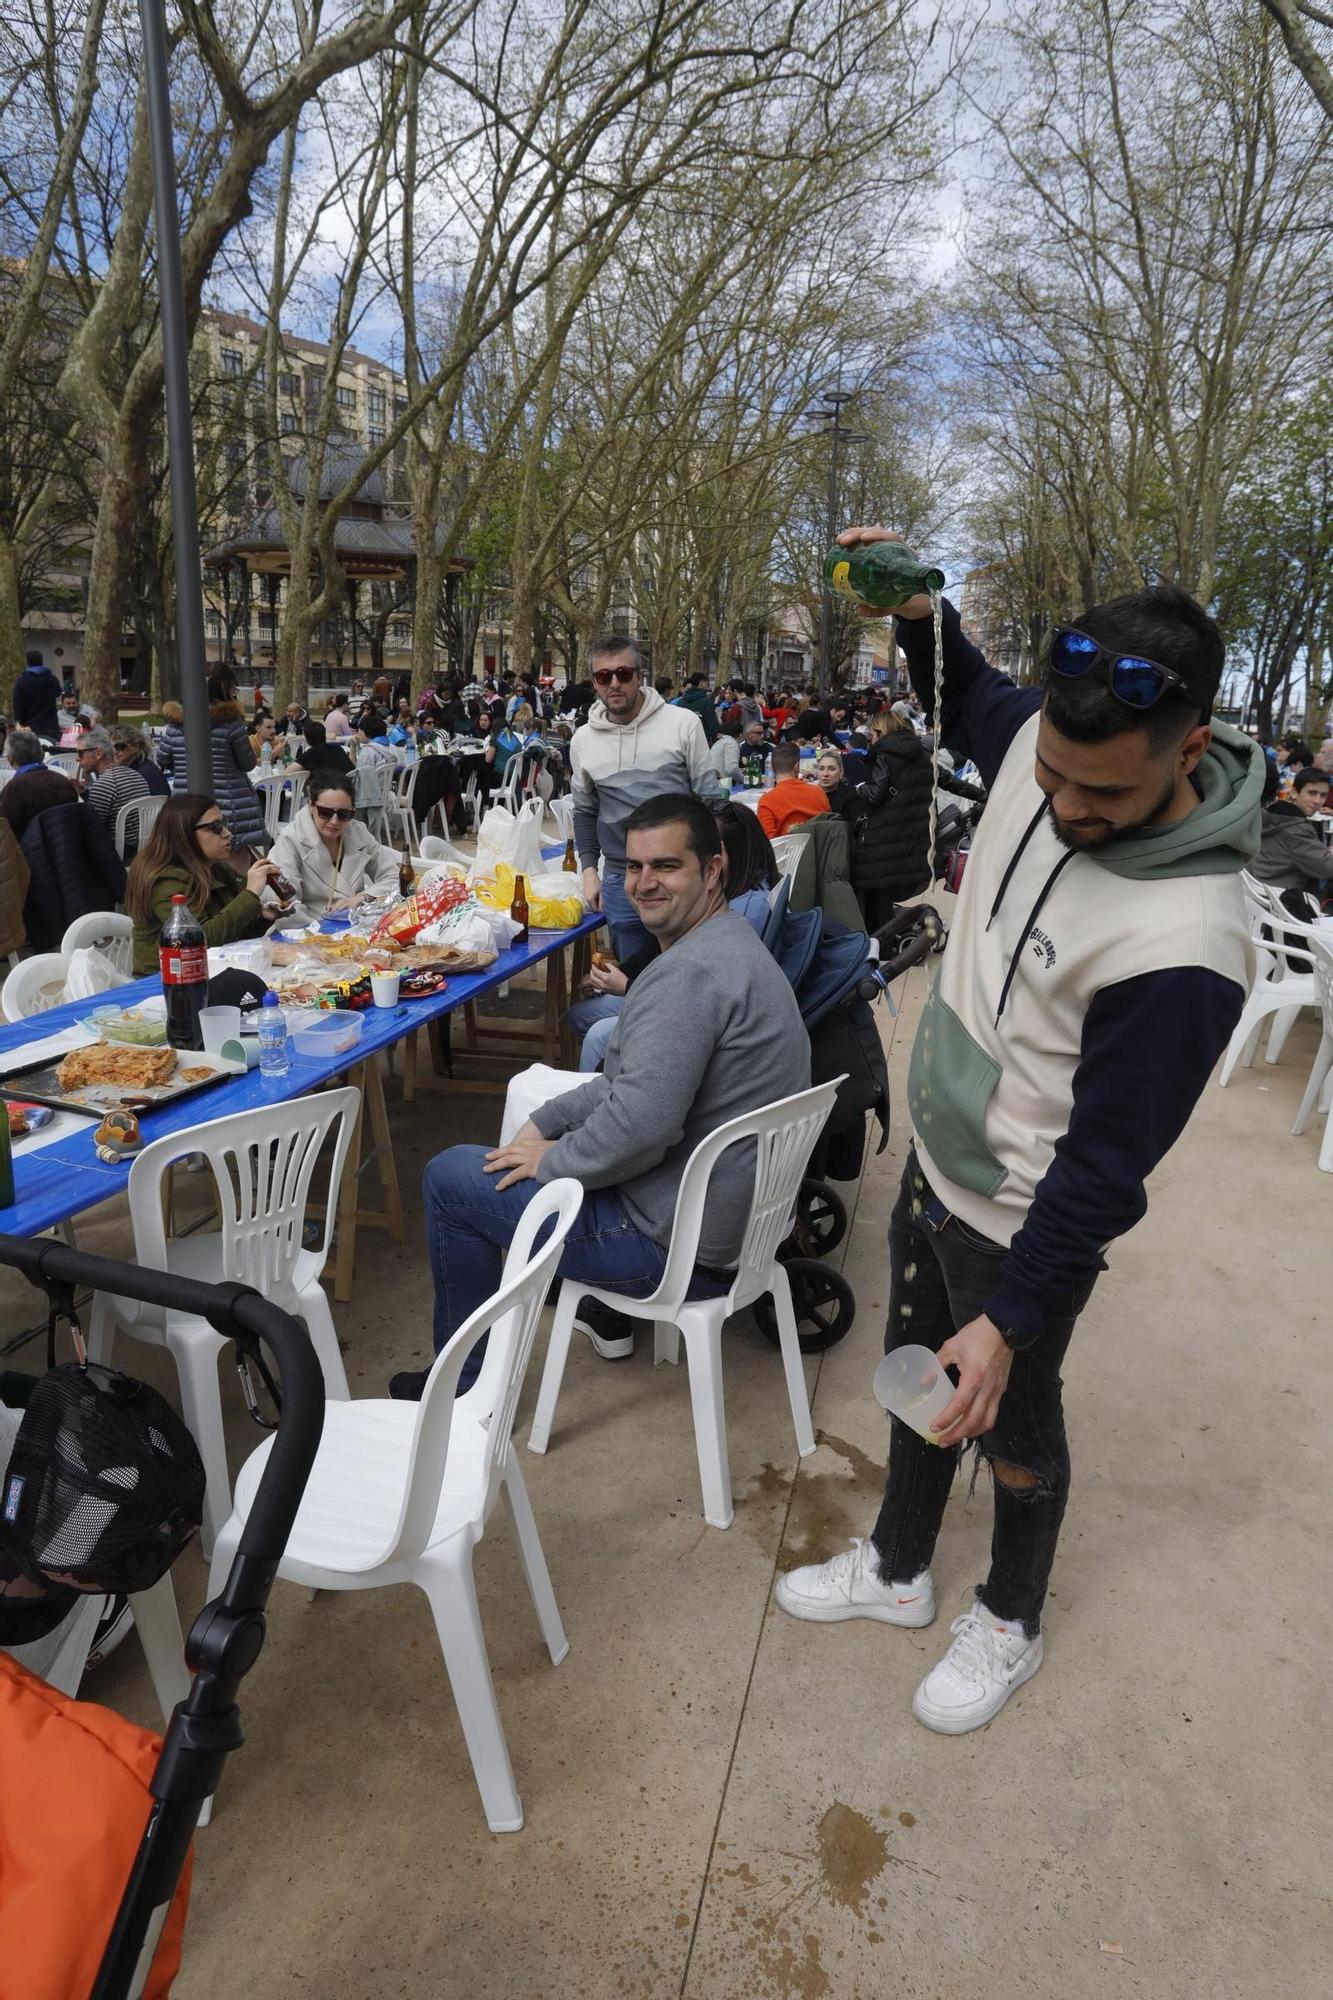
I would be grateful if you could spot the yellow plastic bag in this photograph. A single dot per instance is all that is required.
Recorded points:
(555, 901)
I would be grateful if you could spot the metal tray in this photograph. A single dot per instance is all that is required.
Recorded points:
(37, 1083)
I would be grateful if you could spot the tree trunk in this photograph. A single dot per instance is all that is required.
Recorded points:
(115, 539)
(11, 624)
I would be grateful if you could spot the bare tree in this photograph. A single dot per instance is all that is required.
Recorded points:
(1295, 18)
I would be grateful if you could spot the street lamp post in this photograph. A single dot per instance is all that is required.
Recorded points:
(180, 425)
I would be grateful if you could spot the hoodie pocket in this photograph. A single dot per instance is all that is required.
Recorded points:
(950, 1082)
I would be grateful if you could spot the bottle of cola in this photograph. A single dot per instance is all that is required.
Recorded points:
(183, 957)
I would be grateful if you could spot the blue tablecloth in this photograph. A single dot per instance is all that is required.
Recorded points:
(63, 1179)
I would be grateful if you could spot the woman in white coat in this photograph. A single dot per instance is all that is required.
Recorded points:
(329, 857)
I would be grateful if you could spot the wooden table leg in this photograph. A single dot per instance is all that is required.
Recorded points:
(553, 1030)
(345, 1255)
(385, 1163)
(410, 1069)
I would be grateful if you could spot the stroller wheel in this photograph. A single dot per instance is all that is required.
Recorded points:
(822, 1300)
(821, 1218)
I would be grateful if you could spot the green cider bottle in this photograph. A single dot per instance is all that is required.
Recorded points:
(879, 575)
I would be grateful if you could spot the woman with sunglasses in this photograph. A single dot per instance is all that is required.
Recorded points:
(186, 855)
(329, 857)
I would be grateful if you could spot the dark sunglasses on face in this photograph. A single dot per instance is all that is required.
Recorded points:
(210, 826)
(622, 674)
(342, 813)
(1135, 682)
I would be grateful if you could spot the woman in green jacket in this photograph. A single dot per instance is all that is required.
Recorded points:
(186, 855)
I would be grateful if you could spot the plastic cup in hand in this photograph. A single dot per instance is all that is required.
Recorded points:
(384, 988)
(218, 1025)
(911, 1384)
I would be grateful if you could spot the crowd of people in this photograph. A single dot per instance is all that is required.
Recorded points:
(1097, 965)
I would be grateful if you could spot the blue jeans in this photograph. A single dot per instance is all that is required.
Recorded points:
(628, 935)
(470, 1223)
(592, 1020)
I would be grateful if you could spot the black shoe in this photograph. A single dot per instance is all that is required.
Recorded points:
(611, 1332)
(409, 1385)
(111, 1628)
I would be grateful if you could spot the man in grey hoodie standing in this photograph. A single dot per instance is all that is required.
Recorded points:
(634, 746)
(709, 1031)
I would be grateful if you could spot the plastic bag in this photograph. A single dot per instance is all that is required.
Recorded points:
(90, 974)
(438, 894)
(512, 840)
(555, 902)
(470, 928)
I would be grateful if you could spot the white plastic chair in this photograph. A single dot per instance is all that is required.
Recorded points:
(274, 790)
(374, 777)
(434, 847)
(107, 931)
(262, 1162)
(562, 812)
(402, 1493)
(1281, 988)
(65, 761)
(399, 817)
(1319, 1090)
(34, 985)
(134, 822)
(785, 1134)
(157, 1622)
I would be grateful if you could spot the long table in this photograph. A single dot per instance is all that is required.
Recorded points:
(62, 1180)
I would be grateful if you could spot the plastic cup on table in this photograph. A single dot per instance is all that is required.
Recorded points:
(384, 988)
(218, 1025)
(911, 1384)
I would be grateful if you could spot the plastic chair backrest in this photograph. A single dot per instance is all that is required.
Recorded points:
(64, 760)
(34, 985)
(511, 1315)
(273, 789)
(784, 1134)
(106, 931)
(562, 812)
(1321, 957)
(139, 814)
(435, 847)
(262, 1162)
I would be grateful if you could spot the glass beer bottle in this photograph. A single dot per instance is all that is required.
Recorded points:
(879, 575)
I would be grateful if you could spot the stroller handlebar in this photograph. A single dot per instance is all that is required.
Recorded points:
(909, 937)
(228, 1635)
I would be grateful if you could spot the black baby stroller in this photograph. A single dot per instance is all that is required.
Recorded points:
(837, 975)
(67, 1483)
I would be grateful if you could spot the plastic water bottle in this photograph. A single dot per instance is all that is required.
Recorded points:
(273, 1058)
(266, 757)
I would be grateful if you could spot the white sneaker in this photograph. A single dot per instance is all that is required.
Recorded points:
(986, 1662)
(610, 1350)
(849, 1586)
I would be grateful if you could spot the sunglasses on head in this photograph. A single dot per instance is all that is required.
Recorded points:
(1137, 683)
(604, 677)
(210, 826)
(343, 813)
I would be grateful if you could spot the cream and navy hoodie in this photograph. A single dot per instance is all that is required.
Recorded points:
(617, 765)
(1083, 999)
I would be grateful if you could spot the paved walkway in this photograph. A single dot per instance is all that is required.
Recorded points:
(724, 1804)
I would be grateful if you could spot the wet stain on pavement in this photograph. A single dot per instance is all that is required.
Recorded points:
(852, 1852)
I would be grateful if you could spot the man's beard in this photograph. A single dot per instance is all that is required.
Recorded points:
(1096, 833)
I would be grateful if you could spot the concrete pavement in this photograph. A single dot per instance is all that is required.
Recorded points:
(723, 1803)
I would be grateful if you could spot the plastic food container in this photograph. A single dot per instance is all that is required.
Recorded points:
(139, 1027)
(330, 1034)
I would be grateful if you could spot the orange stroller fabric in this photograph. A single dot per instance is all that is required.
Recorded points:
(74, 1800)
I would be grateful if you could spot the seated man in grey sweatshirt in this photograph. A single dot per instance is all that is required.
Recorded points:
(709, 1031)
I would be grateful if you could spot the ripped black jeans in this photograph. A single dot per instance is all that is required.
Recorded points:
(939, 1279)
